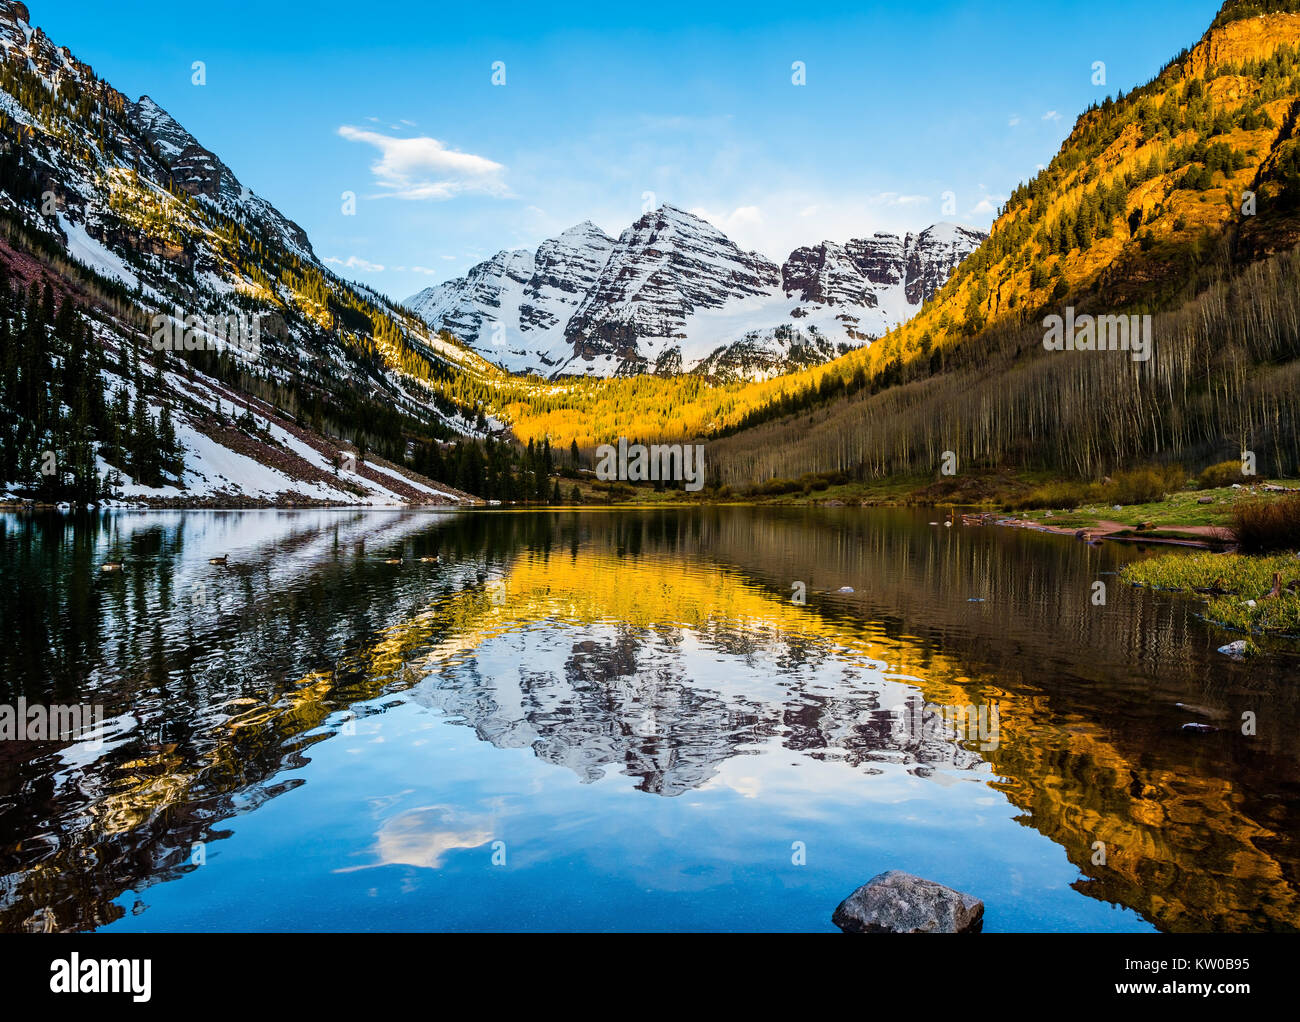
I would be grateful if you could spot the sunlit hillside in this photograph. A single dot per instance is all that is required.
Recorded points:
(1145, 208)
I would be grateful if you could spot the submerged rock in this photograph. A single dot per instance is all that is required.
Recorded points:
(898, 902)
(1238, 650)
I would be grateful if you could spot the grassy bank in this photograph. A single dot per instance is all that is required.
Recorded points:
(1186, 509)
(830, 489)
(1238, 587)
(1171, 501)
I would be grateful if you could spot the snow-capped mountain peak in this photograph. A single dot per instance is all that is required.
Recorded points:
(664, 269)
(674, 293)
(514, 307)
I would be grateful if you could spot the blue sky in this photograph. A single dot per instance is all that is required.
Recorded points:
(693, 103)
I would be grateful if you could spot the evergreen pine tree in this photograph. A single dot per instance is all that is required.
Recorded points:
(168, 448)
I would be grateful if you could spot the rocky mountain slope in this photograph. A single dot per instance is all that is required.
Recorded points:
(514, 308)
(675, 294)
(268, 370)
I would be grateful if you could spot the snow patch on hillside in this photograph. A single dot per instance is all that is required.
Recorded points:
(92, 254)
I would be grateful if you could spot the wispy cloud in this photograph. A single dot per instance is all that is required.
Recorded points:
(1051, 115)
(986, 208)
(1014, 121)
(897, 199)
(355, 263)
(424, 168)
(734, 222)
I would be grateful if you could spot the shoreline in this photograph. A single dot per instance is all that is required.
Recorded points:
(1197, 537)
(1193, 519)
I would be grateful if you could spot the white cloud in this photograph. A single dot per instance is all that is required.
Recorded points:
(737, 220)
(986, 209)
(1051, 115)
(1014, 121)
(747, 215)
(355, 263)
(744, 225)
(424, 168)
(896, 199)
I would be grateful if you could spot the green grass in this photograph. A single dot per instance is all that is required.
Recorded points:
(1181, 509)
(1233, 580)
(989, 490)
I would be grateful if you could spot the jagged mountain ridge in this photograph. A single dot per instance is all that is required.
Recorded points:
(533, 294)
(199, 171)
(674, 293)
(147, 141)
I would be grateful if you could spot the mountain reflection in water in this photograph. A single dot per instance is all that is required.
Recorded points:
(656, 721)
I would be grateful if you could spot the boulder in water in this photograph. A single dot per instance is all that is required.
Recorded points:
(898, 902)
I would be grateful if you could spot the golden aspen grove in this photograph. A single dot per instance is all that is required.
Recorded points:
(1140, 212)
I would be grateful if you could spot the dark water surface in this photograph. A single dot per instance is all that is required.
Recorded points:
(624, 720)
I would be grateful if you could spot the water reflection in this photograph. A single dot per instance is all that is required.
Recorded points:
(665, 669)
(663, 647)
(422, 837)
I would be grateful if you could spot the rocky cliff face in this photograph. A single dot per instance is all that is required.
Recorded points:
(564, 270)
(515, 307)
(863, 270)
(667, 270)
(199, 171)
(149, 139)
(833, 274)
(932, 256)
(675, 294)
